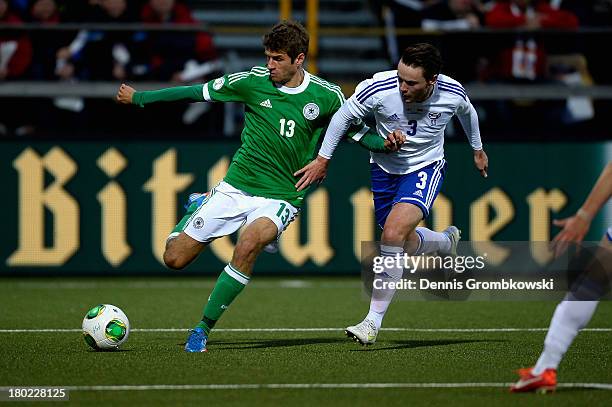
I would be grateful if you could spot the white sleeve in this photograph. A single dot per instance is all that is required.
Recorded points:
(469, 121)
(339, 124)
(362, 101)
(352, 111)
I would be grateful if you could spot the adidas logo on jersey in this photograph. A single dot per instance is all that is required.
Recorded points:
(393, 117)
(266, 103)
(418, 193)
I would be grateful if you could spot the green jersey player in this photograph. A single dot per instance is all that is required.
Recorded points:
(286, 110)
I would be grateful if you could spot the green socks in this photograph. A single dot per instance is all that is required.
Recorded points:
(229, 284)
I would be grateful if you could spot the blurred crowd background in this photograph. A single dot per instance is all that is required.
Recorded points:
(536, 70)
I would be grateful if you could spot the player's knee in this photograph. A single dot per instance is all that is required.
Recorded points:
(173, 260)
(393, 234)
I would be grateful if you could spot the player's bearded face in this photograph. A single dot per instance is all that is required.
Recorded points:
(280, 66)
(413, 85)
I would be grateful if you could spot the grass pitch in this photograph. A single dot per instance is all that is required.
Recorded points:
(282, 342)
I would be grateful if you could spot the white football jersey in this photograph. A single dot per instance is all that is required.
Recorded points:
(422, 123)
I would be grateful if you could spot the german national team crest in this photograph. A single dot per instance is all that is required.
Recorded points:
(433, 116)
(198, 223)
(218, 83)
(311, 111)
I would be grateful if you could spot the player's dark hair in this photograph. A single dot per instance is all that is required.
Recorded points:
(425, 56)
(287, 36)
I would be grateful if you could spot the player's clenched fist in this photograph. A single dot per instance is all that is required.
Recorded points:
(125, 94)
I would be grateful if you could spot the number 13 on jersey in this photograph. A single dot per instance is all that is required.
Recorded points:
(283, 213)
(289, 125)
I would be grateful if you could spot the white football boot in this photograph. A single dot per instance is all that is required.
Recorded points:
(454, 234)
(364, 332)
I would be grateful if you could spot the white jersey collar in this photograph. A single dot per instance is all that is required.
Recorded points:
(297, 89)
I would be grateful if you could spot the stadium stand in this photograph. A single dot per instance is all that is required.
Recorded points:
(353, 40)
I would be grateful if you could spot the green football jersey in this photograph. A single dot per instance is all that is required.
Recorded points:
(281, 130)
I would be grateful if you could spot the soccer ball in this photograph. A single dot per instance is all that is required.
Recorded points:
(105, 327)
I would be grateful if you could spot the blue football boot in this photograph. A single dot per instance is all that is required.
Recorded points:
(196, 342)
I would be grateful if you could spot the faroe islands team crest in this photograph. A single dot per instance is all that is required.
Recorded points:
(433, 116)
(311, 111)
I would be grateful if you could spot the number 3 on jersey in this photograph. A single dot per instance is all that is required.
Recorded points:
(290, 124)
(412, 127)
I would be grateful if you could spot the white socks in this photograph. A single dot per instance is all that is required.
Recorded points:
(381, 297)
(377, 317)
(432, 241)
(568, 319)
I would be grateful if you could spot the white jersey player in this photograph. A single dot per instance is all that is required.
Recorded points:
(419, 102)
(575, 311)
(422, 122)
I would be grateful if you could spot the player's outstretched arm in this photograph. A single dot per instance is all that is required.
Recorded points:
(577, 226)
(128, 95)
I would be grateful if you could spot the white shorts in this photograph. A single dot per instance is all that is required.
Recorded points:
(227, 209)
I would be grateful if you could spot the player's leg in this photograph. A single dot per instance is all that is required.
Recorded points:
(384, 189)
(251, 243)
(571, 315)
(237, 274)
(421, 189)
(416, 193)
(181, 249)
(402, 219)
(569, 318)
(400, 212)
(400, 225)
(264, 225)
(266, 220)
(194, 201)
